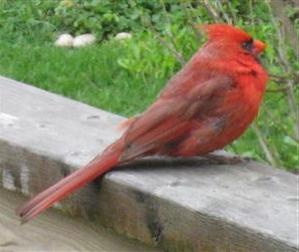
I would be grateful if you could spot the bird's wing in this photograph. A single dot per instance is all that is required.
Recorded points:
(169, 119)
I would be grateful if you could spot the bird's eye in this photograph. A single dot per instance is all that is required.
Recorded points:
(247, 45)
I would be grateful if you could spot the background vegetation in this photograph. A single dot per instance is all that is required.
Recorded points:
(124, 77)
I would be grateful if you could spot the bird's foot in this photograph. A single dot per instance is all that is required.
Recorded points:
(226, 159)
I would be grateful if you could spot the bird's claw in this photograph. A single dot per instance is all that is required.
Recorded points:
(226, 159)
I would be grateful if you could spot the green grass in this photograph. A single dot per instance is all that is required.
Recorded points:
(91, 75)
(125, 77)
(98, 75)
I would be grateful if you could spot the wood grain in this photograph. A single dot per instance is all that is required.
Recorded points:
(54, 231)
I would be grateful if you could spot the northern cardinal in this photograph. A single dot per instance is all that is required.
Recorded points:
(205, 106)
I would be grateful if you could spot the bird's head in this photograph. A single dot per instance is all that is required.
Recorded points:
(229, 38)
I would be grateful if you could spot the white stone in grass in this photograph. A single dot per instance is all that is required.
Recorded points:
(84, 40)
(64, 40)
(123, 36)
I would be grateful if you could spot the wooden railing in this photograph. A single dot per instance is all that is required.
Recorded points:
(175, 204)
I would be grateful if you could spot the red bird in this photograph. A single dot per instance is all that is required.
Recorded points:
(205, 106)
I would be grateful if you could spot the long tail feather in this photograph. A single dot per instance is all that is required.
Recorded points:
(77, 179)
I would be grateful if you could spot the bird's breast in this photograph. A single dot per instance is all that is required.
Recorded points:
(229, 119)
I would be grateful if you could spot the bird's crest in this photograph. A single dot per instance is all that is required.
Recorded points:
(223, 31)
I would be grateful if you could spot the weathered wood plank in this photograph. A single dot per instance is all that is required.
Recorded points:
(179, 205)
(55, 232)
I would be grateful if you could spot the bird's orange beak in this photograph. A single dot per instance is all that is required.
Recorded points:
(258, 46)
